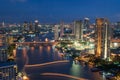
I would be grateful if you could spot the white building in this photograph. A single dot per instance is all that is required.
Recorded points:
(78, 30)
(56, 32)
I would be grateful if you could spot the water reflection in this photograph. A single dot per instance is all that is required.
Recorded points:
(24, 52)
(75, 69)
(48, 49)
(32, 49)
(40, 49)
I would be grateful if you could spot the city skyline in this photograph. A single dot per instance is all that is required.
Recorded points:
(53, 11)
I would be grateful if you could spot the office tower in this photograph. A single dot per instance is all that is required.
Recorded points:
(36, 25)
(86, 23)
(25, 26)
(31, 27)
(3, 24)
(61, 29)
(56, 32)
(117, 26)
(102, 38)
(78, 30)
(8, 69)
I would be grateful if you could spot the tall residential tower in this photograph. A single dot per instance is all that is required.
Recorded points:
(102, 38)
(78, 30)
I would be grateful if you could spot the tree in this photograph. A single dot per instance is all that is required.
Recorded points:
(10, 49)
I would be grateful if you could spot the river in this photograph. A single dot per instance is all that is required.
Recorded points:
(46, 63)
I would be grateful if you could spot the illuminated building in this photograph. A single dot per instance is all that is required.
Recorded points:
(36, 25)
(10, 39)
(61, 29)
(86, 23)
(102, 37)
(117, 26)
(25, 25)
(3, 24)
(8, 69)
(78, 30)
(30, 27)
(56, 32)
(2, 39)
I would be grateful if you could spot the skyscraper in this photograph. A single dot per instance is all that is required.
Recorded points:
(86, 23)
(36, 25)
(25, 26)
(78, 30)
(61, 29)
(102, 38)
(31, 27)
(56, 32)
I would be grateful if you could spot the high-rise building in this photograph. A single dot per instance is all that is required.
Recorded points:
(117, 26)
(56, 32)
(2, 39)
(3, 24)
(31, 27)
(86, 23)
(102, 37)
(8, 69)
(25, 26)
(61, 29)
(36, 25)
(78, 30)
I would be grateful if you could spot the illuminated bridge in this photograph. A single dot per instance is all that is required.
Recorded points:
(36, 43)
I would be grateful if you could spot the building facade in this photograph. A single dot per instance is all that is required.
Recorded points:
(102, 38)
(8, 69)
(56, 32)
(78, 30)
(36, 25)
(61, 29)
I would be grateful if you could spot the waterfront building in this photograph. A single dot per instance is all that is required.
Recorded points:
(102, 38)
(8, 69)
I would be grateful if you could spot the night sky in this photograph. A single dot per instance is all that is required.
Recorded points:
(53, 11)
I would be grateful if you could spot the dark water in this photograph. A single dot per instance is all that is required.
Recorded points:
(44, 54)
